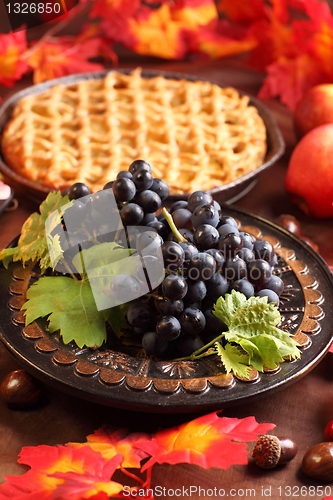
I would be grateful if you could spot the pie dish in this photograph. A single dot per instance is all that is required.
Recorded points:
(110, 377)
(86, 128)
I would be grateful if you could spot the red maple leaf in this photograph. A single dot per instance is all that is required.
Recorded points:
(208, 441)
(12, 64)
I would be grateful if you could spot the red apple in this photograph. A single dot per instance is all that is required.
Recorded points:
(309, 177)
(314, 109)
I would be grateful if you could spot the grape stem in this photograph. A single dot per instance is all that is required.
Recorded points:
(203, 351)
(169, 219)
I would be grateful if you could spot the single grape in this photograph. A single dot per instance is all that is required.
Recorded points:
(160, 187)
(205, 214)
(205, 237)
(246, 254)
(186, 233)
(173, 255)
(227, 229)
(168, 328)
(196, 292)
(234, 269)
(243, 286)
(139, 314)
(123, 189)
(274, 283)
(148, 200)
(150, 270)
(262, 249)
(214, 325)
(125, 287)
(201, 267)
(198, 198)
(272, 297)
(182, 218)
(188, 344)
(108, 185)
(217, 286)
(248, 240)
(148, 217)
(217, 207)
(78, 190)
(64, 192)
(218, 256)
(139, 165)
(143, 180)
(192, 321)
(258, 271)
(153, 345)
(230, 244)
(159, 227)
(189, 251)
(148, 243)
(124, 173)
(174, 287)
(226, 219)
(178, 204)
(131, 214)
(169, 307)
(273, 261)
(76, 214)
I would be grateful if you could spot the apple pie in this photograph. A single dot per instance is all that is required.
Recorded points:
(195, 134)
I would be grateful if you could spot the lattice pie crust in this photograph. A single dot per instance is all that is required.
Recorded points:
(196, 135)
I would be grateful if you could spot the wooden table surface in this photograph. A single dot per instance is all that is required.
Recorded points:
(299, 411)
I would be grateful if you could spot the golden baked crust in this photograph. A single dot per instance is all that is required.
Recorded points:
(195, 135)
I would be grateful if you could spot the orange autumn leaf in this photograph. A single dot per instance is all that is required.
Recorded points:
(12, 64)
(54, 467)
(239, 11)
(208, 441)
(110, 443)
(54, 59)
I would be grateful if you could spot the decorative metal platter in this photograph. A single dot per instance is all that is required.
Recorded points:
(116, 379)
(227, 193)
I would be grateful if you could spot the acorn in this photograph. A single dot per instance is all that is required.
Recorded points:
(19, 390)
(317, 462)
(270, 451)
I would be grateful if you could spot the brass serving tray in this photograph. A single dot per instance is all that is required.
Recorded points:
(116, 379)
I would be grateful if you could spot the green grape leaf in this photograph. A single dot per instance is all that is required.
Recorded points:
(233, 360)
(252, 323)
(70, 307)
(33, 243)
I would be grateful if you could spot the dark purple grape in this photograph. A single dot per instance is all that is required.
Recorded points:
(192, 321)
(173, 255)
(234, 269)
(214, 325)
(248, 240)
(205, 237)
(174, 287)
(219, 259)
(159, 227)
(189, 250)
(182, 218)
(169, 307)
(64, 192)
(148, 217)
(153, 345)
(217, 286)
(148, 243)
(78, 190)
(217, 207)
(143, 180)
(124, 173)
(205, 214)
(198, 198)
(246, 254)
(258, 271)
(160, 187)
(272, 297)
(230, 244)
(108, 185)
(139, 315)
(196, 292)
(125, 287)
(227, 229)
(139, 165)
(150, 269)
(273, 262)
(243, 286)
(131, 214)
(168, 328)
(188, 344)
(226, 219)
(274, 283)
(178, 204)
(123, 189)
(186, 233)
(148, 200)
(201, 267)
(262, 249)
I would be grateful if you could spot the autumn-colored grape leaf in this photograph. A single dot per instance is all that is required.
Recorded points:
(252, 324)
(12, 64)
(33, 241)
(208, 441)
(62, 472)
(111, 442)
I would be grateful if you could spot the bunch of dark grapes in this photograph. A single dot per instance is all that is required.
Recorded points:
(205, 255)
